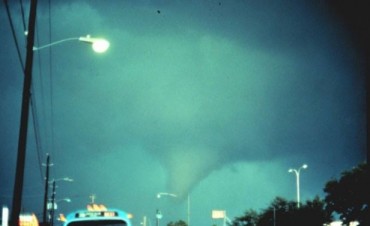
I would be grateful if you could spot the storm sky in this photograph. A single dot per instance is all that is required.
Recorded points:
(211, 100)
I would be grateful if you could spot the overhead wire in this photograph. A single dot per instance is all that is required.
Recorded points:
(48, 124)
(14, 34)
(35, 114)
(33, 101)
(35, 120)
(22, 12)
(37, 135)
(40, 153)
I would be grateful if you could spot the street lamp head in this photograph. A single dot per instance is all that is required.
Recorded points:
(99, 45)
(68, 179)
(165, 193)
(304, 166)
(158, 215)
(290, 171)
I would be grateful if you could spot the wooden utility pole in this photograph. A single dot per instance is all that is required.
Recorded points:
(22, 142)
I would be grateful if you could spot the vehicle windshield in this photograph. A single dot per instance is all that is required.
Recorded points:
(98, 223)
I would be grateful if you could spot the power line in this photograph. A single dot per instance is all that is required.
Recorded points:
(34, 114)
(14, 35)
(37, 133)
(22, 12)
(22, 65)
(32, 101)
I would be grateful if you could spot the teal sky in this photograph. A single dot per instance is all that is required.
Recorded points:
(211, 99)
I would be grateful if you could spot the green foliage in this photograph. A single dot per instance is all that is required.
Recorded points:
(314, 213)
(177, 223)
(250, 218)
(349, 196)
(283, 212)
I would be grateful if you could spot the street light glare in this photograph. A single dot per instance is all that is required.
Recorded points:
(304, 166)
(99, 45)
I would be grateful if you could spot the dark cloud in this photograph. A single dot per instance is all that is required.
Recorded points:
(198, 92)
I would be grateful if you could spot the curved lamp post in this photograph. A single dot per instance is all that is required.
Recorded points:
(165, 193)
(159, 215)
(64, 179)
(304, 166)
(99, 45)
(174, 195)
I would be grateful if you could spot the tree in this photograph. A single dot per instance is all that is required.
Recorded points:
(314, 213)
(250, 218)
(177, 223)
(280, 212)
(349, 196)
(284, 212)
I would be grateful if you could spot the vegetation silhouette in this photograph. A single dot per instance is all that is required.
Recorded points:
(346, 197)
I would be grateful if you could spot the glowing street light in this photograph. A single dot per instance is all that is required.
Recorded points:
(304, 166)
(99, 45)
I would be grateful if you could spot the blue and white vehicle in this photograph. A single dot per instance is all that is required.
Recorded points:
(98, 217)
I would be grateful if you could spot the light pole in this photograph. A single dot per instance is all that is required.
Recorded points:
(188, 210)
(159, 216)
(174, 195)
(52, 206)
(304, 166)
(53, 202)
(46, 191)
(159, 195)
